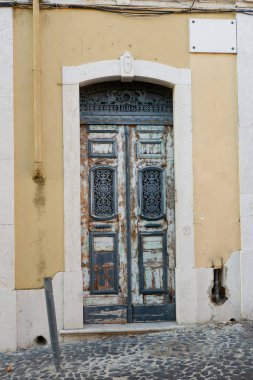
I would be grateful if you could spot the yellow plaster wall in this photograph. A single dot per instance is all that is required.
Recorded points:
(74, 37)
(215, 155)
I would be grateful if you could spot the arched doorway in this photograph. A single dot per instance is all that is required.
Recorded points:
(127, 202)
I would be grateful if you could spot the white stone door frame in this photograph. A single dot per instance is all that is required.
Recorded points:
(126, 69)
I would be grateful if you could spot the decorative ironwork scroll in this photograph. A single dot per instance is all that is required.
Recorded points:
(151, 189)
(102, 192)
(124, 103)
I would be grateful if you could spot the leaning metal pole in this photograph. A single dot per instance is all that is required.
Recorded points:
(52, 321)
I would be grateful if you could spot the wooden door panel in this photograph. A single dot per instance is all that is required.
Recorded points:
(154, 313)
(110, 282)
(152, 262)
(103, 263)
(153, 223)
(105, 314)
(103, 226)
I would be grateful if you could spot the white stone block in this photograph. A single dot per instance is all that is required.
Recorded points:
(32, 320)
(6, 52)
(162, 74)
(246, 221)
(204, 288)
(7, 257)
(246, 159)
(183, 177)
(72, 228)
(71, 122)
(73, 300)
(91, 72)
(245, 81)
(7, 260)
(8, 335)
(71, 137)
(193, 290)
(7, 192)
(31, 317)
(58, 286)
(245, 91)
(246, 283)
(244, 34)
(186, 296)
(6, 128)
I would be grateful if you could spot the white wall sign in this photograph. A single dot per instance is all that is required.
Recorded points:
(212, 36)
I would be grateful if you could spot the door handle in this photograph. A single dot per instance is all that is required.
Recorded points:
(102, 226)
(155, 225)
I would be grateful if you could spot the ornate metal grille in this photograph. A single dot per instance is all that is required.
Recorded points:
(123, 103)
(151, 193)
(103, 205)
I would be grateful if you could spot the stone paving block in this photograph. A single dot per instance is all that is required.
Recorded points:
(213, 352)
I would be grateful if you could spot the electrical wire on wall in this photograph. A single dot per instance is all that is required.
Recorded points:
(130, 10)
(193, 2)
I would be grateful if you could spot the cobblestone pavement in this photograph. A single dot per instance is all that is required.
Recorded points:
(207, 352)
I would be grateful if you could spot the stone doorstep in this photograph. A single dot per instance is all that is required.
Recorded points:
(102, 330)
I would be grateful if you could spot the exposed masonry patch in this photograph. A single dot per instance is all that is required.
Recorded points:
(230, 279)
(218, 295)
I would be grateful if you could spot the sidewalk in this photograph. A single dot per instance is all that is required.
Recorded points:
(203, 352)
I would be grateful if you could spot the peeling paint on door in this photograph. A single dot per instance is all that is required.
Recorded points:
(116, 207)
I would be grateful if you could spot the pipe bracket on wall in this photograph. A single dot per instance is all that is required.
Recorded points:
(37, 170)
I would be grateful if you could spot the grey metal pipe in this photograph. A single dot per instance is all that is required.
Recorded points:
(52, 321)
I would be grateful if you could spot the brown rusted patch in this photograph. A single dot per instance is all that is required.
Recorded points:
(123, 278)
(123, 228)
(134, 234)
(153, 281)
(144, 281)
(171, 294)
(84, 210)
(104, 280)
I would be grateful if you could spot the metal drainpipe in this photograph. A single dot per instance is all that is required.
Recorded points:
(38, 164)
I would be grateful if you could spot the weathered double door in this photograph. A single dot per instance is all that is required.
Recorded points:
(127, 222)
